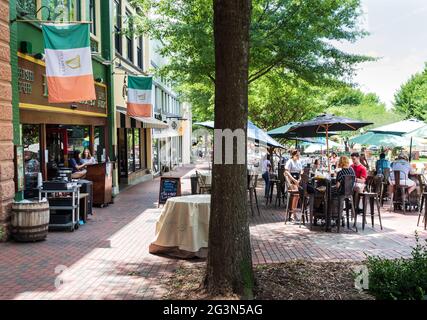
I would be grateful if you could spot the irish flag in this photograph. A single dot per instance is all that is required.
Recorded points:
(139, 96)
(68, 63)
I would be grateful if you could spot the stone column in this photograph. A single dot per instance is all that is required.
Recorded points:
(7, 187)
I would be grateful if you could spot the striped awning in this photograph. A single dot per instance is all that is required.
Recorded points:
(144, 122)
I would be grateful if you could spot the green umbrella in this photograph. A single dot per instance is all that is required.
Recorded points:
(381, 139)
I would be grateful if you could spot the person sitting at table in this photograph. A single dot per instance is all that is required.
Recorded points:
(87, 157)
(333, 160)
(382, 164)
(79, 168)
(346, 170)
(361, 175)
(315, 166)
(266, 168)
(402, 164)
(293, 168)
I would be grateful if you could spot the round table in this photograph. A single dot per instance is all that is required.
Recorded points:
(182, 229)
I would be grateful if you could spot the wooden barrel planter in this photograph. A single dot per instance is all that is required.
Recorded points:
(30, 221)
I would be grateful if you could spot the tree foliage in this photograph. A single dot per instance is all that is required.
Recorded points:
(289, 38)
(411, 99)
(352, 103)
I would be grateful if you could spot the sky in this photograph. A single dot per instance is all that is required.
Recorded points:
(398, 36)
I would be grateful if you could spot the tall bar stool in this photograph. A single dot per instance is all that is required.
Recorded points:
(398, 187)
(385, 184)
(348, 200)
(372, 197)
(291, 197)
(252, 184)
(307, 199)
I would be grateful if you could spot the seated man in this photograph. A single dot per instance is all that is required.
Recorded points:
(402, 164)
(361, 175)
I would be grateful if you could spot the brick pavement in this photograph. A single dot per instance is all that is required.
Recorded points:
(108, 257)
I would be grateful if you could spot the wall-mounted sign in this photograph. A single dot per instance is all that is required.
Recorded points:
(33, 89)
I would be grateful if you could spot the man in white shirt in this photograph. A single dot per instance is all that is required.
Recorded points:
(403, 166)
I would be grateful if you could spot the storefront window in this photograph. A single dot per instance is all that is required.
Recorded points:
(130, 151)
(156, 167)
(99, 144)
(137, 142)
(78, 138)
(31, 143)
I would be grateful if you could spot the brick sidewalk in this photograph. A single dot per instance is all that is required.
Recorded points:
(108, 257)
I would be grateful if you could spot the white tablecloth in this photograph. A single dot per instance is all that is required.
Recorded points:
(183, 227)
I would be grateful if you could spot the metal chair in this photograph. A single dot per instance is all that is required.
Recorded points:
(290, 196)
(348, 200)
(306, 197)
(203, 187)
(398, 187)
(385, 184)
(252, 184)
(372, 196)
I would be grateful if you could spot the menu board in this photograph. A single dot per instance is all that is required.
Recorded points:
(169, 188)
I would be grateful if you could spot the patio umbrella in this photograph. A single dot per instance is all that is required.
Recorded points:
(326, 123)
(254, 133)
(286, 132)
(380, 140)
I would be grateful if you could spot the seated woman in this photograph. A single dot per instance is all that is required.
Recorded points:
(79, 168)
(346, 170)
(87, 157)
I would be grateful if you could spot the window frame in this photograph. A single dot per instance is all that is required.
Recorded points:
(117, 26)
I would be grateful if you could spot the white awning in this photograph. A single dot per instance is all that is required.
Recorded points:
(147, 122)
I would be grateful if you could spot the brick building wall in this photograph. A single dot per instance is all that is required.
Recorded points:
(7, 187)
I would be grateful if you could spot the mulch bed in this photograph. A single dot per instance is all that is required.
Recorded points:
(293, 280)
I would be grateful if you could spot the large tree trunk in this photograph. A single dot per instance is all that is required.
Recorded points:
(229, 264)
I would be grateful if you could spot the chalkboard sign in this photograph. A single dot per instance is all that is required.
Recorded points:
(169, 188)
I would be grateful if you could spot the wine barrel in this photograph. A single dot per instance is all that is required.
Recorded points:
(30, 220)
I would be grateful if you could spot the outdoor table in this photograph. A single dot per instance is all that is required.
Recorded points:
(328, 181)
(183, 227)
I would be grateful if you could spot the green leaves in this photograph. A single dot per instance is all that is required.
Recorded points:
(411, 99)
(292, 43)
(400, 279)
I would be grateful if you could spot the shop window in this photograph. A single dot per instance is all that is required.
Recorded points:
(118, 26)
(92, 16)
(140, 53)
(27, 6)
(130, 150)
(62, 10)
(122, 151)
(129, 36)
(32, 156)
(156, 160)
(78, 138)
(137, 144)
(99, 144)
